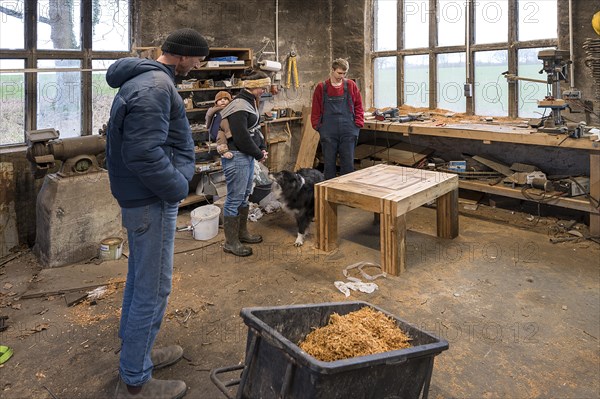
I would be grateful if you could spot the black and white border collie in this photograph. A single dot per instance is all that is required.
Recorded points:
(296, 193)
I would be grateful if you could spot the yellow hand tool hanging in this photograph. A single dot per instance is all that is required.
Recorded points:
(292, 65)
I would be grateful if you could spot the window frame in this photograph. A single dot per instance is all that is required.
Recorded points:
(31, 54)
(469, 48)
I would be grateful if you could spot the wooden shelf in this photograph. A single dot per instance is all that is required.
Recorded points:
(281, 120)
(580, 204)
(210, 89)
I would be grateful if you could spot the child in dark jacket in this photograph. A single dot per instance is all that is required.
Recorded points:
(222, 98)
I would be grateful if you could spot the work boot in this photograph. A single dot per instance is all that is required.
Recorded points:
(152, 389)
(245, 235)
(231, 225)
(163, 357)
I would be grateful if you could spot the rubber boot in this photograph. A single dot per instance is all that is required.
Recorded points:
(231, 225)
(245, 235)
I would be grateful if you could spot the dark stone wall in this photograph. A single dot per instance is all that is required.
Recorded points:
(305, 27)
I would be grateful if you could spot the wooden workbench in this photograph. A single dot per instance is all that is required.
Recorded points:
(390, 191)
(488, 134)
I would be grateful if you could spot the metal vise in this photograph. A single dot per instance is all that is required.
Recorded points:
(78, 154)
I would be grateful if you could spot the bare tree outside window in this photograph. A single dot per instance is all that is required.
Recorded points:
(62, 100)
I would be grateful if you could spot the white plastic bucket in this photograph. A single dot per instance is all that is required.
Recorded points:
(205, 222)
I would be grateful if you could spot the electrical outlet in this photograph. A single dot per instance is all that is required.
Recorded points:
(468, 90)
(278, 76)
(572, 94)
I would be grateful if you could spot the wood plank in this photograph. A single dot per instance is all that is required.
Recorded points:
(570, 203)
(404, 154)
(308, 144)
(493, 164)
(447, 215)
(595, 192)
(363, 151)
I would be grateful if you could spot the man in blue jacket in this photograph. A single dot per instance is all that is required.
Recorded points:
(150, 161)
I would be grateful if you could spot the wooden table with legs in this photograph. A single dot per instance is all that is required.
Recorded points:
(391, 191)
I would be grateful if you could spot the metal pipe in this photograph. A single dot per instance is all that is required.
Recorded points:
(468, 37)
(277, 30)
(572, 66)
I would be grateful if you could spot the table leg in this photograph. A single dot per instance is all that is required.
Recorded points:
(393, 243)
(447, 215)
(326, 220)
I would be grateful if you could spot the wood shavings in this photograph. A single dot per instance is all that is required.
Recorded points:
(363, 332)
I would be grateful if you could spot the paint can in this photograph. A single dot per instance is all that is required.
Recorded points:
(111, 248)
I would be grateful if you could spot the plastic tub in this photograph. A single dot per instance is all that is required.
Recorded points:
(205, 222)
(275, 367)
(259, 193)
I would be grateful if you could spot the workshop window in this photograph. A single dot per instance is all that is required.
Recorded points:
(491, 21)
(102, 94)
(416, 80)
(451, 23)
(59, 97)
(416, 24)
(63, 49)
(385, 85)
(458, 54)
(530, 92)
(537, 19)
(491, 89)
(450, 67)
(385, 27)
(12, 103)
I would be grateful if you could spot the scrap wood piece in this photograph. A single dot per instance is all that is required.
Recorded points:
(404, 154)
(308, 143)
(363, 151)
(495, 165)
(39, 328)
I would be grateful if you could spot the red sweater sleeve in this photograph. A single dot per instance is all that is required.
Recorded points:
(359, 113)
(317, 106)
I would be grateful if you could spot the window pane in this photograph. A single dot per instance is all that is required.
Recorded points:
(385, 87)
(102, 94)
(537, 19)
(491, 21)
(491, 88)
(59, 25)
(416, 80)
(59, 97)
(12, 102)
(530, 92)
(416, 24)
(111, 25)
(12, 31)
(451, 22)
(451, 72)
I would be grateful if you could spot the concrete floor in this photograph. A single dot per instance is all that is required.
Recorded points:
(521, 315)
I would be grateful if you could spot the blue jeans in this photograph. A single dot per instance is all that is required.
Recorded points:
(151, 235)
(343, 145)
(239, 173)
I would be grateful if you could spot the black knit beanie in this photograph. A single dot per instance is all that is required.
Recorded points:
(186, 42)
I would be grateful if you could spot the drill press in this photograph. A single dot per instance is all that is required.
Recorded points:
(555, 65)
(75, 209)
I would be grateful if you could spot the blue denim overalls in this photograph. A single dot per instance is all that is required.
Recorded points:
(338, 132)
